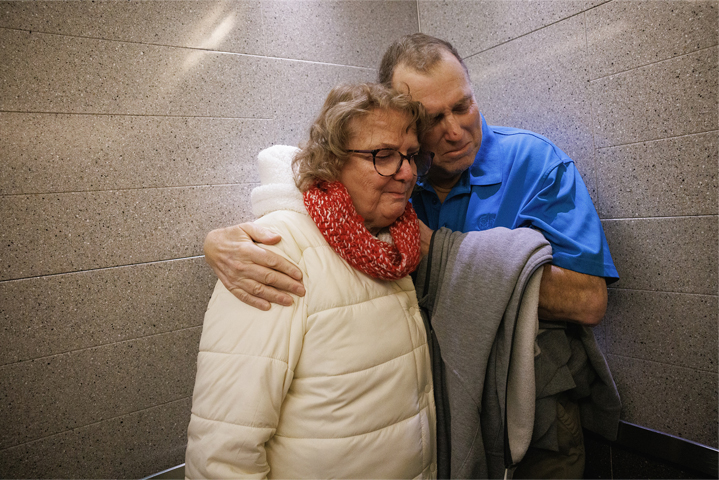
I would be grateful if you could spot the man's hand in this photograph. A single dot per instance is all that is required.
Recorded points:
(572, 296)
(254, 275)
(425, 237)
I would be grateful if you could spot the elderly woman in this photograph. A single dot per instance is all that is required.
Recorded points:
(339, 384)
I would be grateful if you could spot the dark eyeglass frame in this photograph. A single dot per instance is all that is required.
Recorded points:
(410, 158)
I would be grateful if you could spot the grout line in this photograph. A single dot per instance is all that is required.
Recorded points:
(100, 345)
(140, 264)
(217, 52)
(534, 31)
(129, 189)
(637, 67)
(640, 142)
(96, 423)
(658, 217)
(419, 18)
(142, 115)
(663, 363)
(627, 289)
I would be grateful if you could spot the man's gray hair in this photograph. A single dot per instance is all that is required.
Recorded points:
(417, 51)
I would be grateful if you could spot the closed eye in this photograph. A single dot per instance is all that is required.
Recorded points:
(463, 106)
(435, 119)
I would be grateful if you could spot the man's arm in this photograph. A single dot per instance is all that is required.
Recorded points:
(572, 296)
(253, 274)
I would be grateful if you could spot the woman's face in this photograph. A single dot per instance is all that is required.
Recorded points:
(379, 200)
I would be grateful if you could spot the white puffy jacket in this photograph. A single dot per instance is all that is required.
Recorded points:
(337, 385)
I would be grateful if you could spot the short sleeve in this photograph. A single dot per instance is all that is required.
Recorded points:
(562, 210)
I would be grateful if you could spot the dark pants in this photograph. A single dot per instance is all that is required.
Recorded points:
(568, 462)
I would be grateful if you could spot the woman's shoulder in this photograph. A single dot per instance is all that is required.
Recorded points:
(298, 232)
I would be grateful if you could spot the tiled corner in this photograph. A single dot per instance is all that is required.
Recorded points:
(665, 254)
(45, 153)
(231, 26)
(58, 233)
(479, 25)
(626, 34)
(347, 32)
(675, 400)
(673, 328)
(44, 316)
(135, 445)
(300, 89)
(62, 392)
(51, 73)
(671, 177)
(666, 99)
(538, 83)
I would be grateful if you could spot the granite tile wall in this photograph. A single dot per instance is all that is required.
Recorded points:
(629, 89)
(129, 130)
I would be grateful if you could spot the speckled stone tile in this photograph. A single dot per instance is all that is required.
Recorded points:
(673, 328)
(675, 400)
(60, 74)
(300, 89)
(51, 395)
(666, 99)
(672, 177)
(61, 313)
(341, 32)
(128, 446)
(626, 34)
(58, 233)
(45, 153)
(233, 26)
(665, 254)
(475, 26)
(539, 83)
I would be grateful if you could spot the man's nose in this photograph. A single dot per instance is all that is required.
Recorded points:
(453, 131)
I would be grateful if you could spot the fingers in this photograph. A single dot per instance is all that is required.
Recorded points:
(283, 267)
(253, 274)
(266, 272)
(245, 297)
(260, 295)
(259, 277)
(259, 234)
(425, 237)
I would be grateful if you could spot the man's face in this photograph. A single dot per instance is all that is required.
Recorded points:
(455, 132)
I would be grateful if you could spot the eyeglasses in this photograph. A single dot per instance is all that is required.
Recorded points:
(388, 161)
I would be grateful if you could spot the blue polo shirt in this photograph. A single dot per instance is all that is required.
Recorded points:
(521, 179)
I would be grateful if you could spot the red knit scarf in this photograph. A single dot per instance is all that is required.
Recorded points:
(331, 208)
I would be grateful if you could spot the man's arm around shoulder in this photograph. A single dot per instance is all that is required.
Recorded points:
(253, 274)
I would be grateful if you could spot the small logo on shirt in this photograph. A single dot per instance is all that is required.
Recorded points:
(486, 221)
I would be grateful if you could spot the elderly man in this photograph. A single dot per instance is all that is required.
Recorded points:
(482, 177)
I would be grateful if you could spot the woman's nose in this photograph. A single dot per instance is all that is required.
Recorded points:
(407, 171)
